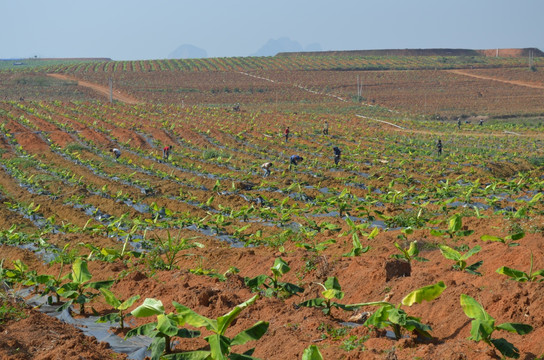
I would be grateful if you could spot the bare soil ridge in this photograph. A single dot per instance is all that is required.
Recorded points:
(104, 90)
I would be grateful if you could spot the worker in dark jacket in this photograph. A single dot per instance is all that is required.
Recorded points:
(116, 152)
(295, 160)
(337, 153)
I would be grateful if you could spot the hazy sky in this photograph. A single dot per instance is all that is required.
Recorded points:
(137, 29)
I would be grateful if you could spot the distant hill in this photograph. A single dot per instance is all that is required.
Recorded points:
(423, 52)
(188, 51)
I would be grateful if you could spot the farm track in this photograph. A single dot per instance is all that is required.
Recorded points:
(512, 82)
(103, 90)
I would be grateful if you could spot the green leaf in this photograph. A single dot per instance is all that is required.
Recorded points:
(150, 307)
(520, 329)
(110, 298)
(455, 223)
(333, 293)
(243, 356)
(312, 353)
(473, 309)
(100, 284)
(158, 345)
(80, 272)
(491, 238)
(223, 322)
(397, 316)
(421, 329)
(413, 250)
(465, 232)
(513, 273)
(253, 333)
(166, 326)
(291, 288)
(517, 236)
(128, 303)
(380, 317)
(450, 253)
(192, 318)
(113, 318)
(419, 258)
(219, 346)
(148, 329)
(189, 355)
(472, 268)
(318, 302)
(506, 349)
(332, 283)
(280, 267)
(373, 233)
(482, 329)
(255, 282)
(427, 293)
(471, 252)
(436, 232)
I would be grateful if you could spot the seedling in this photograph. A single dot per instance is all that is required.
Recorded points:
(483, 327)
(161, 331)
(391, 315)
(171, 249)
(118, 316)
(354, 231)
(332, 290)
(520, 275)
(412, 252)
(76, 289)
(455, 225)
(461, 260)
(409, 254)
(272, 285)
(220, 344)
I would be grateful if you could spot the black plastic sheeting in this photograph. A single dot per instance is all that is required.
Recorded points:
(135, 347)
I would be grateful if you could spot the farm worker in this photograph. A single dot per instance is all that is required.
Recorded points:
(337, 153)
(286, 134)
(166, 152)
(116, 152)
(459, 123)
(266, 167)
(295, 159)
(481, 122)
(439, 147)
(326, 128)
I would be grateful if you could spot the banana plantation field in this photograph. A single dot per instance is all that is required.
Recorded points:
(397, 248)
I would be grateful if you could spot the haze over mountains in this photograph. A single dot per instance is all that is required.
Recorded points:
(270, 48)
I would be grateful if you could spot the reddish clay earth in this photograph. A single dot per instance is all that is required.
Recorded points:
(292, 328)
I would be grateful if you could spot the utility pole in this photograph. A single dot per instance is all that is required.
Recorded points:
(359, 89)
(110, 82)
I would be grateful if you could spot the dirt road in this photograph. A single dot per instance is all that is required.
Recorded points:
(519, 83)
(104, 90)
